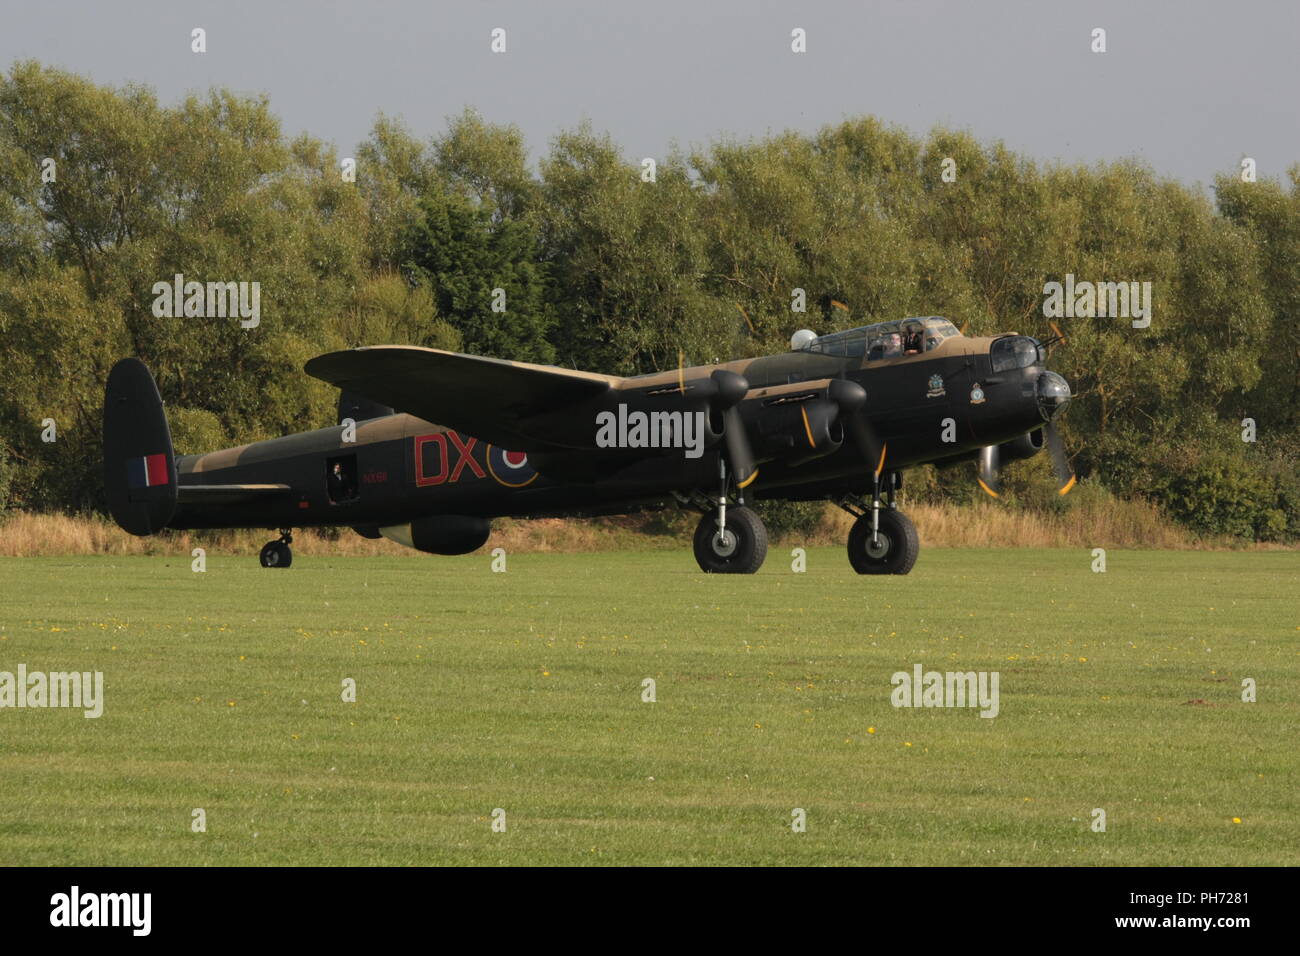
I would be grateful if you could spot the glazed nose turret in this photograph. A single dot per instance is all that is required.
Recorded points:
(1052, 393)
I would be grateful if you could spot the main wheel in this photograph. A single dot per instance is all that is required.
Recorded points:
(738, 550)
(276, 554)
(893, 552)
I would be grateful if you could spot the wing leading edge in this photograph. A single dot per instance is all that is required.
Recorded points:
(492, 399)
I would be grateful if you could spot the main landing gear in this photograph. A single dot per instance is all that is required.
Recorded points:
(883, 540)
(728, 540)
(277, 554)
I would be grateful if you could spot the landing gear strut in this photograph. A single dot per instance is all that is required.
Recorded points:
(728, 541)
(277, 554)
(883, 540)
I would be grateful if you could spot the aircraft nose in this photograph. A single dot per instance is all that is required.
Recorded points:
(1053, 394)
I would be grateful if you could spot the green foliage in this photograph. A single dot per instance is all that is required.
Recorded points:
(628, 261)
(195, 430)
(790, 519)
(1219, 493)
(466, 255)
(1229, 491)
(8, 469)
(605, 267)
(1271, 215)
(489, 164)
(390, 310)
(1283, 520)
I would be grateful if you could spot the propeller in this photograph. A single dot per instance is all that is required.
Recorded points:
(990, 471)
(1060, 462)
(1058, 338)
(990, 463)
(850, 396)
(722, 391)
(1052, 394)
(728, 389)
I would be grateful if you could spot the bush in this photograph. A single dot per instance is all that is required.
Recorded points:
(790, 518)
(1284, 518)
(1222, 493)
(196, 431)
(7, 467)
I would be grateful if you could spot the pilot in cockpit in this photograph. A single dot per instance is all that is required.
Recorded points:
(913, 339)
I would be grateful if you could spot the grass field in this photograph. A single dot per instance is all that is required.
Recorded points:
(522, 691)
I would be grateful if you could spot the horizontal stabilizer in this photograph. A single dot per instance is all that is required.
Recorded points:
(228, 494)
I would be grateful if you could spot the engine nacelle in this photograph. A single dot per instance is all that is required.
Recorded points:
(797, 431)
(441, 534)
(1026, 446)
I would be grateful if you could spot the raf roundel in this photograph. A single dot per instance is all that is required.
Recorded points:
(510, 468)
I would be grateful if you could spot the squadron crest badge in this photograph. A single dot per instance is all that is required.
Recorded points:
(936, 387)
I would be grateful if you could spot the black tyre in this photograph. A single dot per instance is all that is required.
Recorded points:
(276, 554)
(740, 550)
(895, 549)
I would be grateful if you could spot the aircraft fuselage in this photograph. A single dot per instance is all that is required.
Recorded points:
(940, 404)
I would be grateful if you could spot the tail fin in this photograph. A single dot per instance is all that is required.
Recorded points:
(359, 408)
(139, 465)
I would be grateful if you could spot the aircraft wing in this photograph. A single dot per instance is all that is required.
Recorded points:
(505, 403)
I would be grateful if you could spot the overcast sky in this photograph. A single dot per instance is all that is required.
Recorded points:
(1188, 86)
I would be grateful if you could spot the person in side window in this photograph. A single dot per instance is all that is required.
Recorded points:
(913, 339)
(336, 483)
(893, 345)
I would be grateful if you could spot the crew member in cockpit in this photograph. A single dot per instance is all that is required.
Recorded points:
(913, 339)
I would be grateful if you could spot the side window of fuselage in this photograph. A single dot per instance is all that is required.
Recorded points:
(341, 478)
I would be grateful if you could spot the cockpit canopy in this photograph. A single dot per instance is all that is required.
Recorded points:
(884, 339)
(1016, 351)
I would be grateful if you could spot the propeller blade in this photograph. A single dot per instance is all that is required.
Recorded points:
(729, 389)
(850, 396)
(740, 457)
(874, 451)
(990, 465)
(1057, 338)
(1060, 462)
(747, 321)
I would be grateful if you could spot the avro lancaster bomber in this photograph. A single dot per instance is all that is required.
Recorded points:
(432, 445)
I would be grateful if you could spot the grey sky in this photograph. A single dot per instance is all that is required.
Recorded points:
(1188, 86)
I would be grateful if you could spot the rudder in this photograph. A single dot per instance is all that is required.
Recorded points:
(359, 408)
(139, 464)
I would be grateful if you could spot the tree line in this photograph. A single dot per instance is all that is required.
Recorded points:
(600, 261)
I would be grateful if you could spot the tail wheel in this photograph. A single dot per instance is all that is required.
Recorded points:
(276, 554)
(740, 549)
(893, 551)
